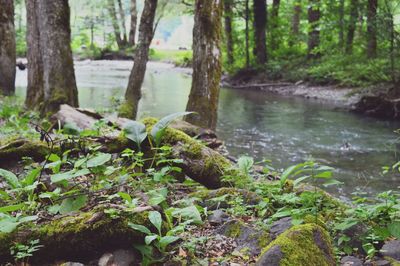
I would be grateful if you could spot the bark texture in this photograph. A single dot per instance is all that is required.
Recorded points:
(371, 28)
(275, 24)
(352, 26)
(295, 23)
(122, 22)
(146, 32)
(132, 31)
(114, 21)
(228, 30)
(204, 94)
(35, 91)
(58, 66)
(7, 48)
(314, 15)
(260, 26)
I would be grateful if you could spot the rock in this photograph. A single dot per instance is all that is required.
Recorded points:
(378, 106)
(391, 249)
(280, 226)
(382, 263)
(72, 264)
(307, 244)
(272, 257)
(249, 240)
(355, 233)
(350, 261)
(119, 257)
(218, 217)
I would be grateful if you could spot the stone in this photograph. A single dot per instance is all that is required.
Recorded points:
(307, 244)
(218, 217)
(72, 264)
(391, 249)
(280, 226)
(350, 261)
(382, 263)
(271, 258)
(120, 257)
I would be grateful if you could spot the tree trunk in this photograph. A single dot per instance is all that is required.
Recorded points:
(146, 32)
(123, 26)
(341, 24)
(35, 91)
(371, 28)
(204, 94)
(228, 30)
(58, 66)
(247, 33)
(7, 48)
(260, 25)
(114, 22)
(314, 16)
(295, 23)
(274, 24)
(132, 32)
(352, 26)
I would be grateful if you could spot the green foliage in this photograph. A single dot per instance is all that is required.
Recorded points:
(23, 252)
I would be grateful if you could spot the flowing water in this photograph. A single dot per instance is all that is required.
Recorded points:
(286, 130)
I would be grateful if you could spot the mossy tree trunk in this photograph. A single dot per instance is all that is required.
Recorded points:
(260, 27)
(275, 24)
(371, 28)
(58, 66)
(294, 38)
(146, 33)
(7, 48)
(132, 31)
(314, 15)
(352, 26)
(34, 55)
(204, 93)
(228, 30)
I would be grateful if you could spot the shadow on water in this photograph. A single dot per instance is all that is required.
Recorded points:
(284, 130)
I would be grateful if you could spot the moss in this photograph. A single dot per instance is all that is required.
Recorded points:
(264, 240)
(310, 219)
(127, 110)
(16, 150)
(233, 230)
(392, 261)
(249, 197)
(307, 244)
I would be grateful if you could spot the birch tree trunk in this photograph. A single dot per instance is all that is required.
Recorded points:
(203, 98)
(7, 48)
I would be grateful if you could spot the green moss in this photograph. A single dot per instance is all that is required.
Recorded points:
(233, 230)
(299, 246)
(264, 240)
(127, 110)
(310, 219)
(24, 148)
(392, 261)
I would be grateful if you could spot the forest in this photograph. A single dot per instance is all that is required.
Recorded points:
(199, 132)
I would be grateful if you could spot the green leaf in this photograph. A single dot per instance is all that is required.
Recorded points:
(73, 204)
(12, 208)
(125, 196)
(10, 178)
(346, 225)
(26, 219)
(8, 225)
(150, 238)
(325, 174)
(98, 160)
(71, 129)
(300, 179)
(135, 131)
(156, 219)
(188, 213)
(69, 175)
(158, 130)
(31, 177)
(394, 229)
(245, 164)
(285, 175)
(166, 240)
(140, 228)
(332, 182)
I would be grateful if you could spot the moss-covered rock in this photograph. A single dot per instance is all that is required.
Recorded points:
(307, 244)
(82, 237)
(16, 150)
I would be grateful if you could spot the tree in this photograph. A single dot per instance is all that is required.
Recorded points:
(121, 41)
(295, 22)
(122, 19)
(228, 30)
(371, 28)
(260, 25)
(132, 31)
(247, 32)
(351, 28)
(274, 24)
(59, 85)
(204, 94)
(146, 33)
(7, 48)
(314, 15)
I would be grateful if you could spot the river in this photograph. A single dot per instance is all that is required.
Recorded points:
(285, 130)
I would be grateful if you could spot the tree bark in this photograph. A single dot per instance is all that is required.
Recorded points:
(371, 28)
(132, 31)
(341, 24)
(228, 30)
(247, 32)
(123, 26)
(7, 48)
(114, 22)
(146, 32)
(260, 26)
(314, 16)
(204, 94)
(295, 23)
(274, 24)
(35, 91)
(58, 66)
(352, 26)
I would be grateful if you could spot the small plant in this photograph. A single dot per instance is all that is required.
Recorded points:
(22, 253)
